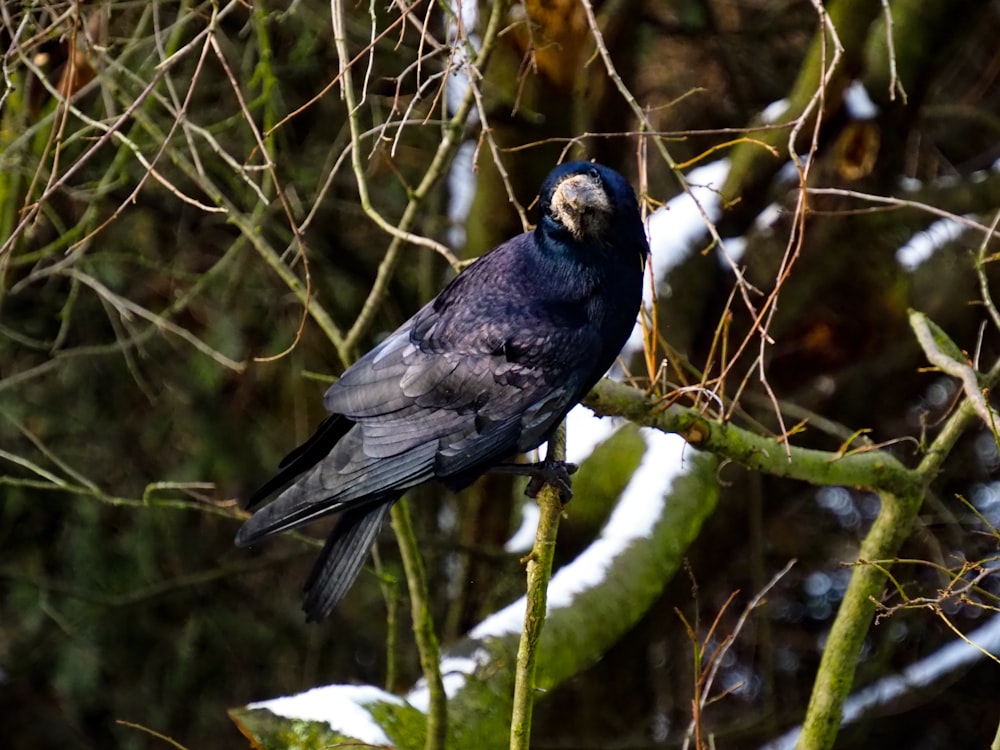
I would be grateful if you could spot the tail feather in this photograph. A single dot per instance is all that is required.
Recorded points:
(344, 553)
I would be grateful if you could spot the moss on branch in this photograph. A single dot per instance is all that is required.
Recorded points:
(873, 469)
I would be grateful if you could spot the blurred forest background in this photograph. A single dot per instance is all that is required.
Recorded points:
(195, 237)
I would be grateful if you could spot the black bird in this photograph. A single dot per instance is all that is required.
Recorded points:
(485, 370)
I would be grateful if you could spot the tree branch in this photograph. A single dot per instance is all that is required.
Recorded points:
(539, 574)
(873, 469)
(423, 627)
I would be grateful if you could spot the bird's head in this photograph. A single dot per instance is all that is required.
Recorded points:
(592, 204)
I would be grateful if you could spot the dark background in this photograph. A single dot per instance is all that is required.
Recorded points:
(125, 445)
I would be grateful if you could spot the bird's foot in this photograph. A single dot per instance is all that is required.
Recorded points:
(555, 473)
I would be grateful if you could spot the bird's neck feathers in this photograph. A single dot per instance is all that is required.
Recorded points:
(622, 244)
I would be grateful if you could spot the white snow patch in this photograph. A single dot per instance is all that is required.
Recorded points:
(767, 218)
(468, 13)
(461, 191)
(925, 243)
(447, 517)
(343, 707)
(457, 83)
(462, 23)
(632, 347)
(942, 662)
(733, 253)
(640, 507)
(773, 111)
(455, 671)
(586, 431)
(858, 103)
(524, 538)
(788, 172)
(461, 176)
(674, 228)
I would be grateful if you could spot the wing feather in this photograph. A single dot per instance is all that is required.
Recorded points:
(329, 488)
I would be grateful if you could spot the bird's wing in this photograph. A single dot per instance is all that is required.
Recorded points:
(304, 457)
(495, 395)
(411, 416)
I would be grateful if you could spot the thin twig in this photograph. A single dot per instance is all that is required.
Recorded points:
(984, 284)
(906, 203)
(751, 607)
(944, 355)
(641, 115)
(127, 307)
(110, 131)
(894, 82)
(451, 140)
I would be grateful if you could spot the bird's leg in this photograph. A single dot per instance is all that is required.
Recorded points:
(556, 473)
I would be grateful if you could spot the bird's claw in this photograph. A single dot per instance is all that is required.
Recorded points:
(554, 473)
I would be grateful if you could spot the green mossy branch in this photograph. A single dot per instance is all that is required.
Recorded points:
(873, 469)
(900, 489)
(539, 572)
(423, 626)
(539, 575)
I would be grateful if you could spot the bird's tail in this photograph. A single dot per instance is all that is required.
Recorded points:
(344, 553)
